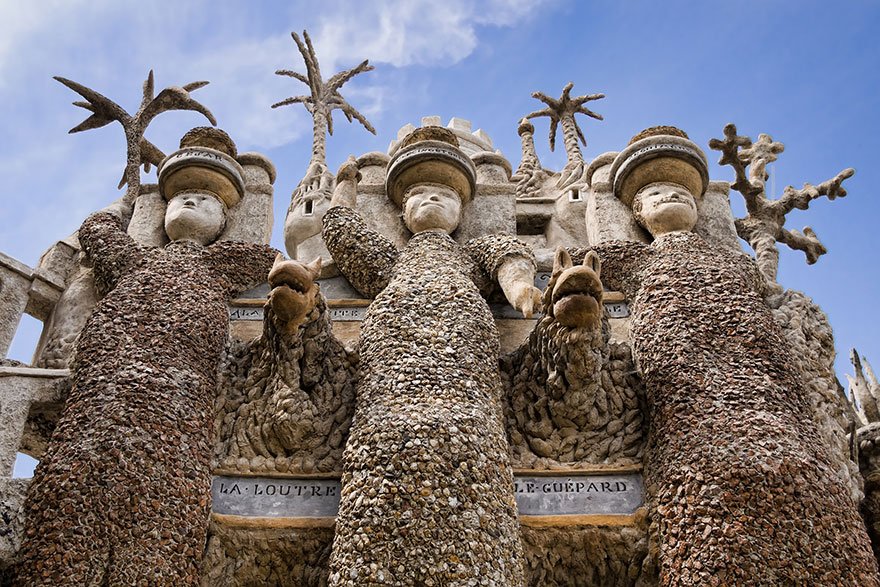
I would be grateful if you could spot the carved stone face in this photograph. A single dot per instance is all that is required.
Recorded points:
(665, 207)
(196, 216)
(431, 206)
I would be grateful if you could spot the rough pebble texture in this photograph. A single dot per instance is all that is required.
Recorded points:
(811, 342)
(742, 492)
(587, 555)
(122, 495)
(281, 557)
(427, 490)
(572, 397)
(286, 400)
(868, 438)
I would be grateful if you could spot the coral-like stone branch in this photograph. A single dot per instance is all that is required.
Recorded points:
(139, 150)
(763, 225)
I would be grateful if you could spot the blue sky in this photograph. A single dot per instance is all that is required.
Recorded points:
(804, 72)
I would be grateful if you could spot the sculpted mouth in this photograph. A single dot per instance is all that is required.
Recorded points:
(579, 283)
(295, 277)
(295, 285)
(577, 298)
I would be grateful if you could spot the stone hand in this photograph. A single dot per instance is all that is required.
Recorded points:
(347, 178)
(516, 277)
(574, 293)
(293, 292)
(526, 298)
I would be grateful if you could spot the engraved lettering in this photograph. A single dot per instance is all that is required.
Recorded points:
(605, 494)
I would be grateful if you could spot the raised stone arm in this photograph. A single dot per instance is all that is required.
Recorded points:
(509, 262)
(365, 257)
(112, 251)
(347, 178)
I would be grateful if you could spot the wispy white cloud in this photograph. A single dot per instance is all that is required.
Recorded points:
(243, 88)
(110, 45)
(412, 32)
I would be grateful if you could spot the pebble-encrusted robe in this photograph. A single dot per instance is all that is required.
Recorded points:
(427, 494)
(122, 495)
(742, 488)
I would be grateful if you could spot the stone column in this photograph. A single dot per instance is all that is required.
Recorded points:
(14, 406)
(15, 282)
(607, 218)
(715, 220)
(251, 220)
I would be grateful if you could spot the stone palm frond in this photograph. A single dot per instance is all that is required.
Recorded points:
(323, 97)
(562, 111)
(763, 225)
(565, 108)
(139, 150)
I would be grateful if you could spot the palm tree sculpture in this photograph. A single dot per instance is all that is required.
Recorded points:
(324, 97)
(562, 111)
(139, 150)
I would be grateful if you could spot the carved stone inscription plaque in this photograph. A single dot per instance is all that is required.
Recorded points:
(558, 495)
(275, 498)
(620, 494)
(339, 313)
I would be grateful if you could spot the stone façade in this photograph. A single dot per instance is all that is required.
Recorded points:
(317, 402)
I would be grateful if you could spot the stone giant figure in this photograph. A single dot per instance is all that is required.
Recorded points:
(427, 489)
(122, 495)
(742, 490)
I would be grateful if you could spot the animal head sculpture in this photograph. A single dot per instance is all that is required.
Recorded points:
(294, 292)
(574, 293)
